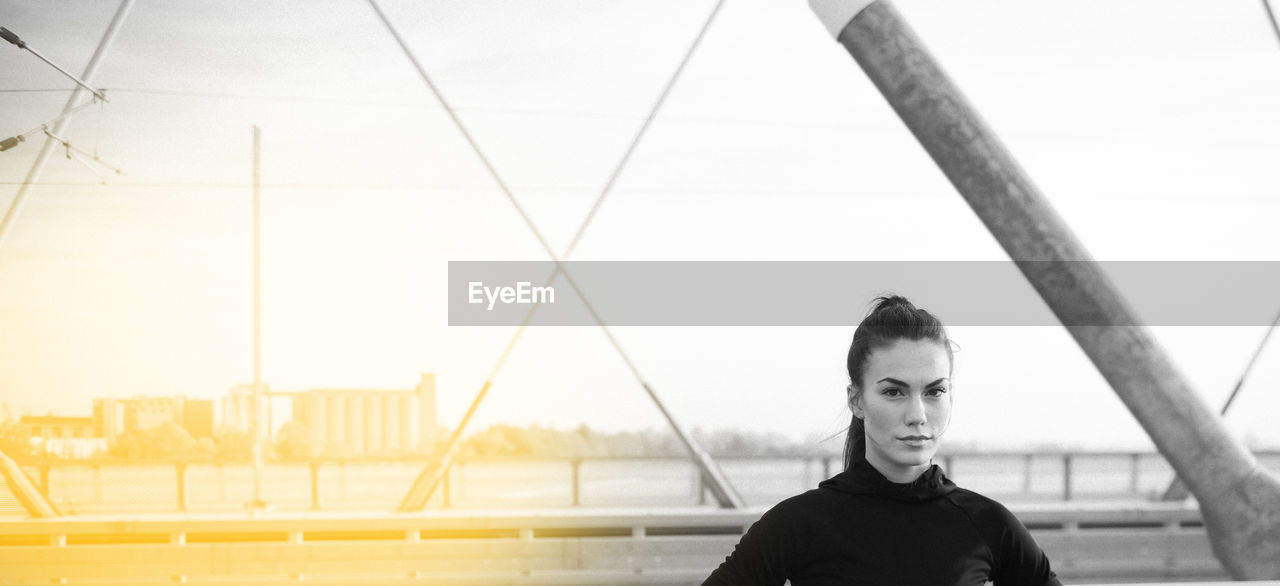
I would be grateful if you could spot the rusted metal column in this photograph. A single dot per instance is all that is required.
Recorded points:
(1239, 500)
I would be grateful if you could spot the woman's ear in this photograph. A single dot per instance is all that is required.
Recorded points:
(855, 401)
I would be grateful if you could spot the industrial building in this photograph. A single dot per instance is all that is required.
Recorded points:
(238, 410)
(112, 417)
(349, 422)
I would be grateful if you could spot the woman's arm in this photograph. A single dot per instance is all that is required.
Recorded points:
(1019, 560)
(765, 556)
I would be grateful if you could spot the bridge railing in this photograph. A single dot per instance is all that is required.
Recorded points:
(335, 484)
(1151, 541)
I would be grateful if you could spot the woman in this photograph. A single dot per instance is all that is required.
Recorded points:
(892, 517)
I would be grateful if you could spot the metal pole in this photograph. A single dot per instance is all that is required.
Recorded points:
(425, 484)
(315, 485)
(1027, 460)
(13, 38)
(1271, 18)
(576, 463)
(446, 493)
(259, 414)
(1239, 500)
(717, 483)
(181, 469)
(1066, 477)
(1235, 391)
(702, 487)
(44, 480)
(1135, 469)
(33, 498)
(33, 175)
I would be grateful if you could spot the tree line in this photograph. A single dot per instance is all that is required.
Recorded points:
(172, 442)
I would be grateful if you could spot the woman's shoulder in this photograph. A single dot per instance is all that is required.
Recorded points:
(1015, 554)
(802, 513)
(809, 502)
(983, 510)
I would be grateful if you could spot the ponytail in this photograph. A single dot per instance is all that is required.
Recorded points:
(855, 444)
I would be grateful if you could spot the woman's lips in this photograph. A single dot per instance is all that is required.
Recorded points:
(914, 440)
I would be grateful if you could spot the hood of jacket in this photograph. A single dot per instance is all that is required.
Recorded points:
(863, 478)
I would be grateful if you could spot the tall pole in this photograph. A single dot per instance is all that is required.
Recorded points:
(259, 413)
(33, 175)
(1239, 500)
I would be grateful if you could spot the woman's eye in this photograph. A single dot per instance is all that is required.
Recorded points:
(938, 391)
(892, 392)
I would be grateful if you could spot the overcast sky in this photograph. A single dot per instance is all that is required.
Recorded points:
(1151, 126)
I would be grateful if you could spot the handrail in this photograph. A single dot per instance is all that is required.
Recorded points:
(561, 546)
(417, 458)
(956, 463)
(1042, 515)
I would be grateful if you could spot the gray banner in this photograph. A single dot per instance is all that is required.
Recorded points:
(821, 293)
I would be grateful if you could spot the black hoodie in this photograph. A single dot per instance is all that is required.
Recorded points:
(859, 528)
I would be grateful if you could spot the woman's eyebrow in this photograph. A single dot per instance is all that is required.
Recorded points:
(895, 381)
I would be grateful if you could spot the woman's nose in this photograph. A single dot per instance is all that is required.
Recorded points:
(915, 412)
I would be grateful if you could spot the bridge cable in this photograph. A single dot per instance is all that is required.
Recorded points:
(426, 484)
(1271, 18)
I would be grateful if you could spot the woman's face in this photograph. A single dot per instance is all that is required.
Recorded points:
(905, 403)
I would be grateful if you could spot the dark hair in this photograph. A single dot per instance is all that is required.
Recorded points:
(892, 318)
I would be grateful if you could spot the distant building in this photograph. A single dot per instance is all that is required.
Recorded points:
(112, 417)
(66, 437)
(237, 408)
(55, 426)
(197, 418)
(359, 422)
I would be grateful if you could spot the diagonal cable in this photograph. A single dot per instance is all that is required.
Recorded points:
(33, 175)
(423, 488)
(13, 141)
(1271, 18)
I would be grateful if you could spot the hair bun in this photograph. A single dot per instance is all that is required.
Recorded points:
(885, 302)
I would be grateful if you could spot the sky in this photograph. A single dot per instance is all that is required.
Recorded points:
(1151, 127)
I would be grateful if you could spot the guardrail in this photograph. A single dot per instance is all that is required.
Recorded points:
(568, 546)
(327, 483)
